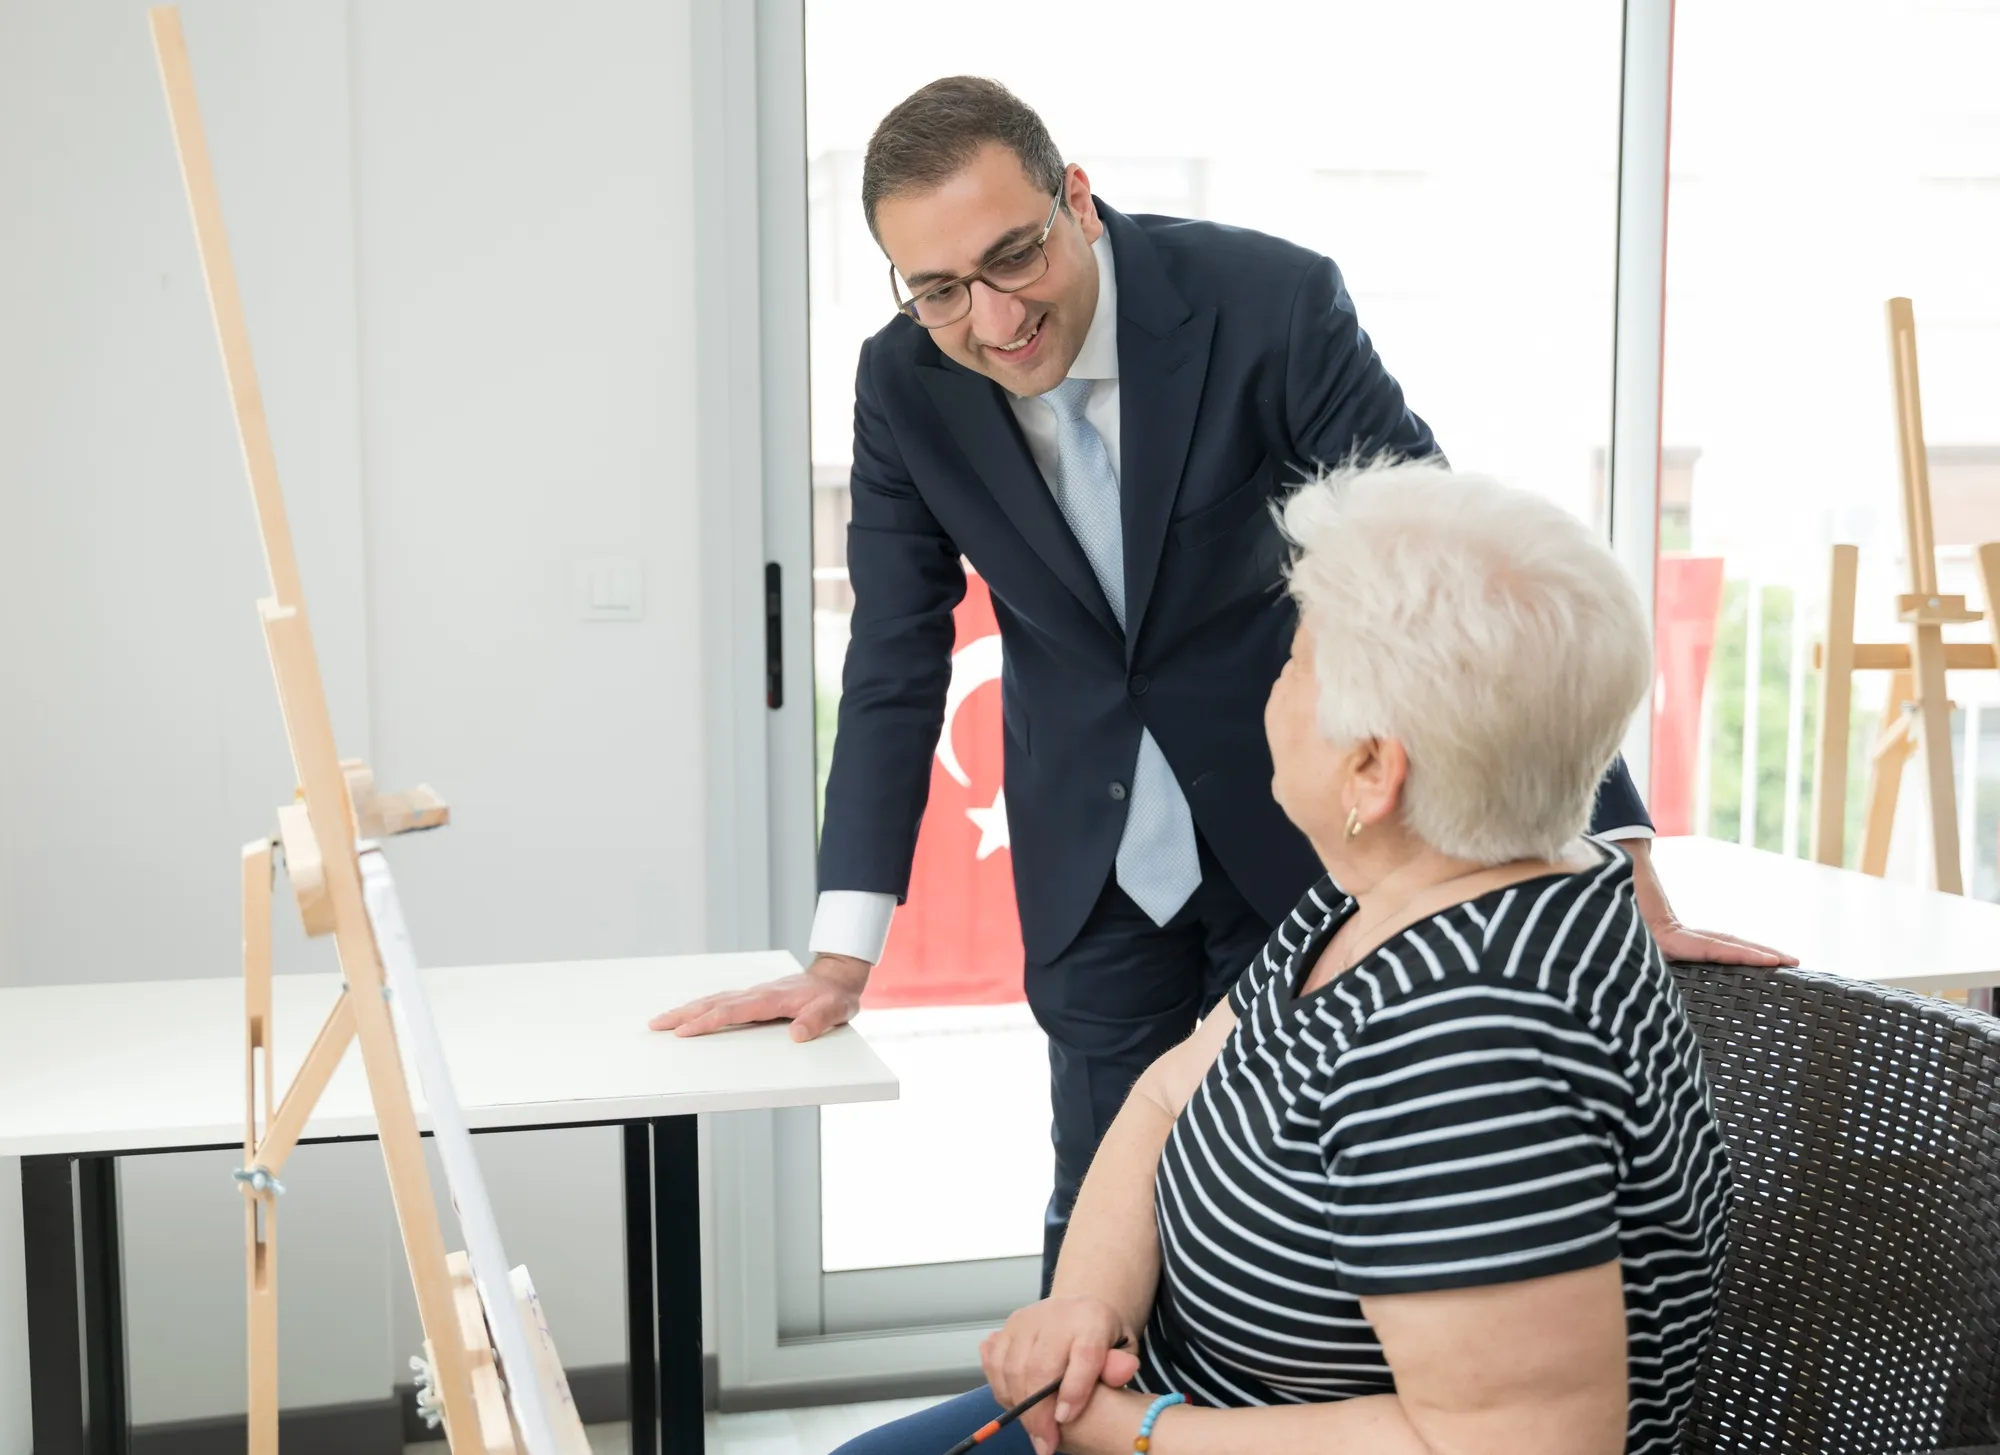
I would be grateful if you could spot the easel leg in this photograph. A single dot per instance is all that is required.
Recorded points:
(55, 1333)
(300, 694)
(260, 1209)
(1836, 704)
(1934, 732)
(1923, 603)
(260, 1216)
(641, 1321)
(1988, 557)
(410, 1193)
(1885, 777)
(677, 1268)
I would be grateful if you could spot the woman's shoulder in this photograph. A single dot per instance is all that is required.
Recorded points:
(1525, 932)
(1582, 918)
(1553, 935)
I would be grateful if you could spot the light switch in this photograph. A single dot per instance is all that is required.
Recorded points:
(610, 588)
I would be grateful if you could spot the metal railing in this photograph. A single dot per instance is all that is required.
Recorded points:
(1806, 627)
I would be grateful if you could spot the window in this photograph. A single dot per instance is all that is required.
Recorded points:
(1821, 165)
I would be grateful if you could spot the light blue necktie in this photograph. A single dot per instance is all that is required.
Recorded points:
(1157, 862)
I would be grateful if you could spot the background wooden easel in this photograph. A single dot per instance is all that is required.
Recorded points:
(1916, 713)
(494, 1402)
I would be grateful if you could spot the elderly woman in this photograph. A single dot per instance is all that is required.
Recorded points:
(1440, 1174)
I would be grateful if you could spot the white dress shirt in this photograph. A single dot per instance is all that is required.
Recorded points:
(855, 921)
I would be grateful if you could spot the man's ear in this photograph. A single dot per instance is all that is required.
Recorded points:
(1077, 198)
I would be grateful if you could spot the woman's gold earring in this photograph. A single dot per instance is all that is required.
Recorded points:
(1353, 822)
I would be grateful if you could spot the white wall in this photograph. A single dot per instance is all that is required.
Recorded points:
(464, 237)
(525, 253)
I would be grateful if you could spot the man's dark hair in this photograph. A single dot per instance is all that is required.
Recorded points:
(940, 128)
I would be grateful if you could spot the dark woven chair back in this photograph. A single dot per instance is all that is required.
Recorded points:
(1861, 1311)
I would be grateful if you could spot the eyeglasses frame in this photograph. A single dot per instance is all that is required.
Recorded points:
(908, 307)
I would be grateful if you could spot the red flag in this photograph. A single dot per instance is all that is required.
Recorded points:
(957, 941)
(1687, 595)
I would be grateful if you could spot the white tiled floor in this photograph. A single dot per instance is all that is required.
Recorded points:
(794, 1432)
(768, 1432)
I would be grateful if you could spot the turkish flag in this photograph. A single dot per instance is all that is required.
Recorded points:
(957, 941)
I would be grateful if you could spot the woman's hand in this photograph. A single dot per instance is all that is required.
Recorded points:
(1072, 1339)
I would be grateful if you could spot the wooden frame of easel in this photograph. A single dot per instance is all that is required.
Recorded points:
(322, 837)
(1916, 713)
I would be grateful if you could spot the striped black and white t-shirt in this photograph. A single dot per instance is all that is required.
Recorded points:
(1506, 1090)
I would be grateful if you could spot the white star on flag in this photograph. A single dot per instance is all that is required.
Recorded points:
(992, 825)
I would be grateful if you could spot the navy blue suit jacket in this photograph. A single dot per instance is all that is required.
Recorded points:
(1241, 368)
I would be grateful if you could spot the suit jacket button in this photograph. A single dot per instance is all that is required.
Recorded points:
(1139, 683)
(1118, 792)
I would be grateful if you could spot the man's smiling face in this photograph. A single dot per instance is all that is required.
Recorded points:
(986, 210)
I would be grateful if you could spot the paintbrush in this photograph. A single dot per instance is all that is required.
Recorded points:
(1007, 1417)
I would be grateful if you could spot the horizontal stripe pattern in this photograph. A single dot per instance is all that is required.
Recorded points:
(1507, 1090)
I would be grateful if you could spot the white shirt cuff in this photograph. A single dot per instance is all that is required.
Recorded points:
(1630, 831)
(852, 922)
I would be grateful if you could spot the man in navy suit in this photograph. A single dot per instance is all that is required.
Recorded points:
(1099, 412)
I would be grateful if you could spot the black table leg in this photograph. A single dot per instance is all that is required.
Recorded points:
(677, 1274)
(75, 1288)
(103, 1305)
(641, 1322)
(55, 1328)
(76, 1315)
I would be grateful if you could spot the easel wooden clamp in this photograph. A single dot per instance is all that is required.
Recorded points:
(496, 1386)
(1916, 714)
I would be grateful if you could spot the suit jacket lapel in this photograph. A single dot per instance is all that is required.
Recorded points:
(987, 431)
(1162, 365)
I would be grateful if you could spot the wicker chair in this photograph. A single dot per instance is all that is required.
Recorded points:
(1861, 1312)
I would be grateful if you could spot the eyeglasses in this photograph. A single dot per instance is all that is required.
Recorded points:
(946, 303)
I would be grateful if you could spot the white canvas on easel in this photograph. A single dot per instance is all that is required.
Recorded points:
(530, 1381)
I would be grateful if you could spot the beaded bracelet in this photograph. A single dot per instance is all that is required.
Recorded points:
(1144, 1441)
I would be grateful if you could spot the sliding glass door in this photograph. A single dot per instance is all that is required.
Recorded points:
(1460, 161)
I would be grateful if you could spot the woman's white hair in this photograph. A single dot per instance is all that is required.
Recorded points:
(1484, 629)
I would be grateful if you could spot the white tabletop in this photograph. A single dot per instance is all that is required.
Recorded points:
(1837, 920)
(156, 1064)
(152, 1064)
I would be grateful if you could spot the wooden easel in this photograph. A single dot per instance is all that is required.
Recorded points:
(487, 1406)
(1916, 714)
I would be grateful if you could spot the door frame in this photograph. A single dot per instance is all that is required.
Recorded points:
(1638, 327)
(786, 1331)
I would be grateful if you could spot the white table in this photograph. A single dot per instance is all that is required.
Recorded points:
(90, 1073)
(1836, 920)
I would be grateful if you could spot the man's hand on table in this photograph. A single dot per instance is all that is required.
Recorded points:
(828, 994)
(1676, 940)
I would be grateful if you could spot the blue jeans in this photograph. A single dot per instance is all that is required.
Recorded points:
(937, 1429)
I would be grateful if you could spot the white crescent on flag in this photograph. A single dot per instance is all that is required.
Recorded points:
(972, 667)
